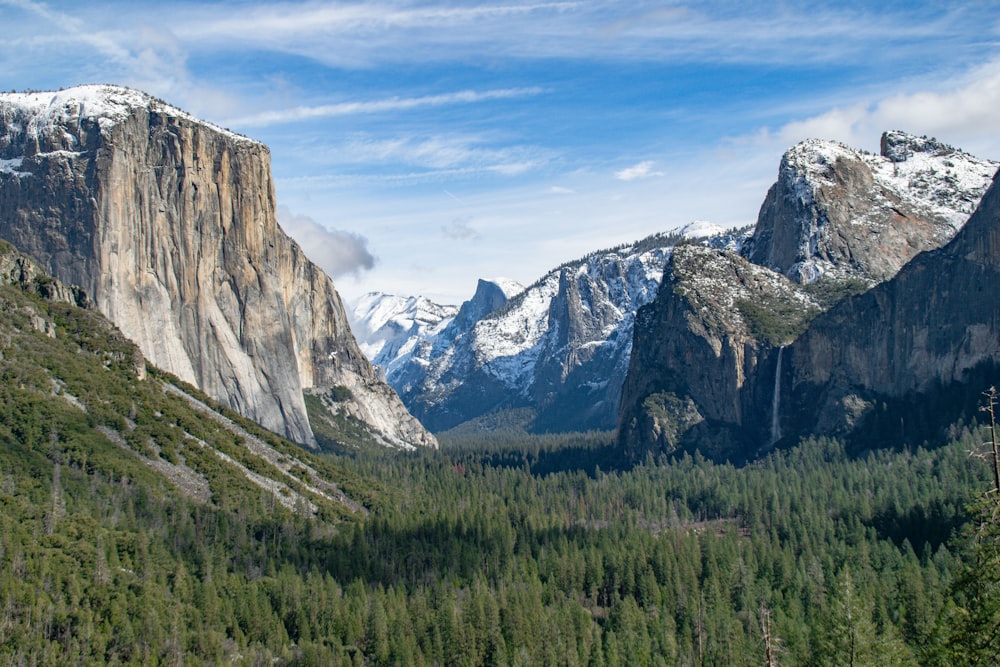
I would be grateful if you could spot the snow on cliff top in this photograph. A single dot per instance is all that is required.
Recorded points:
(108, 105)
(509, 287)
(943, 179)
(699, 229)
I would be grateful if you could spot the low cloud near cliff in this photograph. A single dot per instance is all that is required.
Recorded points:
(337, 252)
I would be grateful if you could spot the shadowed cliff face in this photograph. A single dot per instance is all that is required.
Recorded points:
(729, 359)
(919, 339)
(170, 225)
(702, 349)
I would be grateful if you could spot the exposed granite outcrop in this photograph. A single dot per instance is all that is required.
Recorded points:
(703, 352)
(169, 224)
(837, 212)
(917, 350)
(731, 374)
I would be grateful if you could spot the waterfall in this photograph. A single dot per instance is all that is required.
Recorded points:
(776, 401)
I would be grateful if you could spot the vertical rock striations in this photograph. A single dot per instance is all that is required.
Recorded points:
(169, 224)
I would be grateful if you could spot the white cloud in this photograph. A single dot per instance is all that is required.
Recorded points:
(364, 34)
(461, 229)
(425, 157)
(139, 51)
(337, 252)
(378, 106)
(638, 171)
(281, 21)
(963, 112)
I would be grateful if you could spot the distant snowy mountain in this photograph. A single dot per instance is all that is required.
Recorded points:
(559, 347)
(699, 229)
(404, 335)
(387, 326)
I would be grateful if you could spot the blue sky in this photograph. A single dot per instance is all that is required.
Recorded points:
(418, 146)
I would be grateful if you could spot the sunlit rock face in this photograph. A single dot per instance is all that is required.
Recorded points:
(841, 213)
(169, 224)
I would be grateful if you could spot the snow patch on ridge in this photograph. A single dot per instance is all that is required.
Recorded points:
(945, 180)
(41, 114)
(13, 167)
(938, 181)
(699, 229)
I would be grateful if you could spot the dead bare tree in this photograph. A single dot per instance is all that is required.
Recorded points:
(771, 643)
(990, 408)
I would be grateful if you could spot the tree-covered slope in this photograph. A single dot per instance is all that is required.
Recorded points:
(135, 511)
(138, 525)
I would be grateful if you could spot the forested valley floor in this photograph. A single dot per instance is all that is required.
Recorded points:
(507, 551)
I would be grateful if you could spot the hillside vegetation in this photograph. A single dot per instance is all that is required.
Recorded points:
(142, 524)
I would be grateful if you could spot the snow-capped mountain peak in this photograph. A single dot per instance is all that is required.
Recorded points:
(846, 214)
(43, 115)
(384, 323)
(699, 229)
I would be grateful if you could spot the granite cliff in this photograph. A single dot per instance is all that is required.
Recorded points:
(837, 212)
(910, 356)
(694, 372)
(169, 224)
(713, 354)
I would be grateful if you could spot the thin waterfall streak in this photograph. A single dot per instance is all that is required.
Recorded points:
(776, 401)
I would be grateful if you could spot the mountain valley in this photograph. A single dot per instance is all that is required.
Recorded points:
(555, 356)
(685, 450)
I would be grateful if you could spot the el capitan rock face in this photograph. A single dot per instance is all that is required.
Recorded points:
(731, 371)
(169, 224)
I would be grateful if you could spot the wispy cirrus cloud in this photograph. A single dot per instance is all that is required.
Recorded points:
(138, 51)
(392, 104)
(369, 33)
(282, 20)
(437, 154)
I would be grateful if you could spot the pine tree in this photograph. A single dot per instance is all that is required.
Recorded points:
(974, 625)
